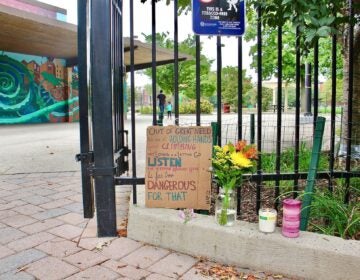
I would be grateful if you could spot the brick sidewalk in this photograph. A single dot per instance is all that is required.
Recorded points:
(43, 235)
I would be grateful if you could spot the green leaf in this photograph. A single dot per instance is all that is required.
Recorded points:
(324, 31)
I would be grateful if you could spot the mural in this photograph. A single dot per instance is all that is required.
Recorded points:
(37, 89)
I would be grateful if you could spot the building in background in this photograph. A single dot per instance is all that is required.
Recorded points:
(35, 88)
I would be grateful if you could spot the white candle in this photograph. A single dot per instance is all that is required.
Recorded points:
(267, 219)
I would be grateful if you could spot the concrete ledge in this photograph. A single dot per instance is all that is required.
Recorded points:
(311, 256)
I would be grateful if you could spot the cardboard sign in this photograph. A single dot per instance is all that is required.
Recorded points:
(218, 17)
(177, 167)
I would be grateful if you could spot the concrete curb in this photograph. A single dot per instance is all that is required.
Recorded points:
(312, 256)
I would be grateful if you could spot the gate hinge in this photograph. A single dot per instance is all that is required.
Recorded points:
(85, 157)
(104, 171)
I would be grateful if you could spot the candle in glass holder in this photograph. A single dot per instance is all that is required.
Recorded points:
(267, 219)
(291, 218)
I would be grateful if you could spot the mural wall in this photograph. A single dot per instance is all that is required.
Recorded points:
(37, 89)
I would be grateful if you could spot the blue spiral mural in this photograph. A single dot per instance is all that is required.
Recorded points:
(24, 97)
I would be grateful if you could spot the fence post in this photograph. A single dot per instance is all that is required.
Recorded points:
(314, 163)
(252, 128)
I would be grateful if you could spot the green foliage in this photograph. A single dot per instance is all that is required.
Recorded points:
(327, 110)
(326, 92)
(287, 160)
(315, 19)
(250, 98)
(229, 88)
(146, 110)
(189, 107)
(187, 80)
(331, 216)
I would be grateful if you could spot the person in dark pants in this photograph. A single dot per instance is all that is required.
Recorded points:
(169, 109)
(162, 99)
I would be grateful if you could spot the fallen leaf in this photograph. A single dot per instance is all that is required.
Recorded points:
(122, 232)
(100, 245)
(278, 276)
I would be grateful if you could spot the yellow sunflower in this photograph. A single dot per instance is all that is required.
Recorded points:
(240, 160)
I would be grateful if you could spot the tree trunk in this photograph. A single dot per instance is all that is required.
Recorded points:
(355, 100)
(286, 98)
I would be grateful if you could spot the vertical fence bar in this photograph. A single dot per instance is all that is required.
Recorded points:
(197, 90)
(153, 57)
(239, 110)
(316, 81)
(297, 114)
(132, 89)
(113, 58)
(279, 105)
(349, 104)
(121, 78)
(87, 188)
(240, 89)
(333, 111)
(103, 170)
(176, 63)
(252, 128)
(218, 86)
(259, 106)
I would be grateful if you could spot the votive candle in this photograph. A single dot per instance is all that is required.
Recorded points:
(291, 218)
(267, 220)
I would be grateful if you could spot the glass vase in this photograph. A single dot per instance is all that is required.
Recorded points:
(225, 207)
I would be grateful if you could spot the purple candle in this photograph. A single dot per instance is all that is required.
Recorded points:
(291, 217)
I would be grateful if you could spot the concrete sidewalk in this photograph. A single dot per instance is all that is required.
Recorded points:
(43, 235)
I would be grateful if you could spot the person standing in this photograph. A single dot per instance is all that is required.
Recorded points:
(162, 99)
(169, 109)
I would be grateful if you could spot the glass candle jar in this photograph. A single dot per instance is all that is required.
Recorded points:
(291, 218)
(267, 219)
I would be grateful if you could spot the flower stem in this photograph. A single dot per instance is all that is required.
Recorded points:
(223, 218)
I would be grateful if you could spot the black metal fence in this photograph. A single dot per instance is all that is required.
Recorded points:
(104, 147)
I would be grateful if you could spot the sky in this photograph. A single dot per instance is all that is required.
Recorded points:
(164, 23)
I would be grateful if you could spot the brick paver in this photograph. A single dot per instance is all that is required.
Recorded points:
(95, 273)
(95, 243)
(72, 218)
(28, 209)
(19, 260)
(9, 234)
(18, 221)
(51, 268)
(43, 235)
(67, 231)
(59, 247)
(126, 270)
(5, 251)
(145, 256)
(16, 275)
(155, 276)
(51, 213)
(85, 259)
(120, 248)
(56, 203)
(41, 226)
(173, 265)
(7, 213)
(30, 241)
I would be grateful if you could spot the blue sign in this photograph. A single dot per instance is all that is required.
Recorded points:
(218, 17)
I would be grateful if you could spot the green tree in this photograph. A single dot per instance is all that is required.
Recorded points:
(187, 69)
(270, 59)
(318, 19)
(229, 87)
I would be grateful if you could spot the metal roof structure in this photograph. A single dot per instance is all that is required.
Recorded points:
(24, 32)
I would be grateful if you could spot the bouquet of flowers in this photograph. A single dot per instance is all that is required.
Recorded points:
(228, 164)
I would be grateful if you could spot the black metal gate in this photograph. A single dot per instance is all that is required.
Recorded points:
(104, 147)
